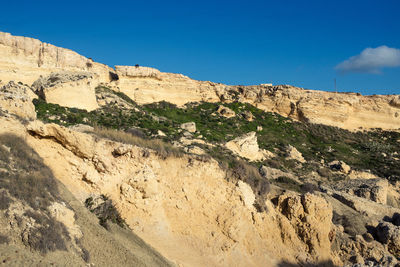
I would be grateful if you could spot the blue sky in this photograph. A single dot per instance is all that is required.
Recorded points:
(233, 42)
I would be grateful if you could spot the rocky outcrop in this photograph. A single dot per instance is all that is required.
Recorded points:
(69, 89)
(311, 217)
(17, 99)
(190, 212)
(137, 72)
(189, 126)
(389, 235)
(293, 153)
(226, 112)
(339, 166)
(25, 59)
(246, 146)
(372, 189)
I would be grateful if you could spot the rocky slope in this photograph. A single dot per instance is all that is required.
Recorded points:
(216, 183)
(190, 208)
(26, 59)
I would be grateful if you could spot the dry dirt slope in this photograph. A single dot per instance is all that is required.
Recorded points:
(42, 223)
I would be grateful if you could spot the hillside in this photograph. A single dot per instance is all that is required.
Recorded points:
(25, 59)
(132, 166)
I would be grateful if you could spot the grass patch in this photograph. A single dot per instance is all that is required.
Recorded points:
(162, 148)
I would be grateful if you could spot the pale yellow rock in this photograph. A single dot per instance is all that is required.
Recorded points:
(189, 126)
(248, 196)
(190, 213)
(68, 89)
(226, 112)
(293, 153)
(17, 99)
(246, 146)
(66, 216)
(25, 59)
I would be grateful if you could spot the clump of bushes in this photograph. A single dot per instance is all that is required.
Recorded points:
(105, 211)
(49, 236)
(29, 180)
(3, 239)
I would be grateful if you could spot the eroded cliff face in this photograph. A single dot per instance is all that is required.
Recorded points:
(26, 59)
(189, 212)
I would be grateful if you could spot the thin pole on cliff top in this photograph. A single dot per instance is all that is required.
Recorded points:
(335, 86)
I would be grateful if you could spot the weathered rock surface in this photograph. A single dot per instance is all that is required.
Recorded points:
(226, 112)
(389, 234)
(311, 217)
(293, 153)
(371, 189)
(189, 126)
(339, 166)
(69, 89)
(246, 146)
(17, 99)
(25, 59)
(190, 213)
(137, 72)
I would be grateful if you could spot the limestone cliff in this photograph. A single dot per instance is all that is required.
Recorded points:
(26, 59)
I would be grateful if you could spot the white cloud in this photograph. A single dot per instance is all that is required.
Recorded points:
(371, 60)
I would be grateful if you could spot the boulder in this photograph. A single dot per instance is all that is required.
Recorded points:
(69, 89)
(247, 115)
(226, 112)
(339, 166)
(371, 189)
(389, 235)
(246, 146)
(293, 153)
(189, 126)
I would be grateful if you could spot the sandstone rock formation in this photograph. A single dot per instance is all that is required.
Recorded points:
(17, 99)
(226, 112)
(372, 189)
(189, 126)
(339, 166)
(69, 89)
(246, 146)
(25, 59)
(293, 153)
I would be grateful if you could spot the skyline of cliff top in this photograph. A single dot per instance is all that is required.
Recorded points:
(230, 42)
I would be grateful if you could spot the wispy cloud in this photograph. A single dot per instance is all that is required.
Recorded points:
(371, 60)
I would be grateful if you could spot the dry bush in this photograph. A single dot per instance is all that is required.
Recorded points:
(3, 239)
(49, 236)
(162, 148)
(30, 181)
(5, 200)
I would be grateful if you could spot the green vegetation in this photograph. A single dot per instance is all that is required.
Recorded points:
(373, 150)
